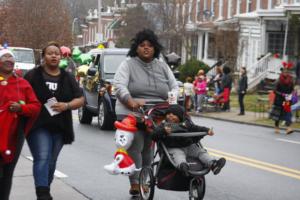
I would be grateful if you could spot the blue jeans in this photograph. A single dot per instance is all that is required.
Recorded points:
(45, 147)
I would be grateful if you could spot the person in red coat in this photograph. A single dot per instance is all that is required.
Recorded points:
(19, 107)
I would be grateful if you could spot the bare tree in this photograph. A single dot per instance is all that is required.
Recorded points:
(226, 43)
(134, 20)
(174, 15)
(34, 23)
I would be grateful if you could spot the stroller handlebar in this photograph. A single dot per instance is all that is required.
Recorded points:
(189, 134)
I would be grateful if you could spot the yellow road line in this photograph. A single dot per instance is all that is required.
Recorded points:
(269, 165)
(257, 164)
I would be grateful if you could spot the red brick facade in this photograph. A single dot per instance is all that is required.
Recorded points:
(213, 9)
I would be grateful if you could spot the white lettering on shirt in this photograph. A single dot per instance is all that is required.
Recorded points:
(52, 86)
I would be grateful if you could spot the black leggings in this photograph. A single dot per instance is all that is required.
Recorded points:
(241, 102)
(287, 118)
(8, 171)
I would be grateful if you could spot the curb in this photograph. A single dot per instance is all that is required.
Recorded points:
(240, 122)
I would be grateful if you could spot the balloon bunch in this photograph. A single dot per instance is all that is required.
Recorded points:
(77, 56)
(66, 52)
(82, 58)
(287, 65)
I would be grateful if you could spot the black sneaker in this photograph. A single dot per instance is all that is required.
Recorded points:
(184, 167)
(218, 165)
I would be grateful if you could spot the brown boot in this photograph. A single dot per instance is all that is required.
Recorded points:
(134, 189)
(277, 130)
(289, 130)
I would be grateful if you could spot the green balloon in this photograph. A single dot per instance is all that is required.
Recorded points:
(85, 58)
(76, 52)
(63, 63)
(76, 58)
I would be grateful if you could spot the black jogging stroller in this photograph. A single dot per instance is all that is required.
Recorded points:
(163, 172)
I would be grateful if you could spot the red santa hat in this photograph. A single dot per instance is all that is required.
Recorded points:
(127, 124)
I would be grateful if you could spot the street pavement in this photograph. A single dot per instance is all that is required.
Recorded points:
(23, 185)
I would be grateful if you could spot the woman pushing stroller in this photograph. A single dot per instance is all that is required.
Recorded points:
(180, 148)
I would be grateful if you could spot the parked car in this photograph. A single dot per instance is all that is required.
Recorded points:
(25, 60)
(97, 87)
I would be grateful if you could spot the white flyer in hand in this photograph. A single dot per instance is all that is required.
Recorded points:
(48, 105)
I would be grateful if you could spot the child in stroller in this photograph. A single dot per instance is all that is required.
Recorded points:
(179, 167)
(179, 148)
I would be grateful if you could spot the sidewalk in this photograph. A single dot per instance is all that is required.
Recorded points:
(251, 118)
(23, 186)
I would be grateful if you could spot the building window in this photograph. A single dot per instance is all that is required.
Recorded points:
(194, 46)
(285, 1)
(275, 44)
(197, 11)
(249, 5)
(211, 47)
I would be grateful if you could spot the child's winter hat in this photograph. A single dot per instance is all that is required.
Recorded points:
(176, 110)
(5, 51)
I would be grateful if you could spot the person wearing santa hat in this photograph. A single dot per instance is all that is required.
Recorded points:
(17, 101)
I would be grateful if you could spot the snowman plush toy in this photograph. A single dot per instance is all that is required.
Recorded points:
(123, 163)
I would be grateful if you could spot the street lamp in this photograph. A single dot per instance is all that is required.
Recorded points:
(99, 17)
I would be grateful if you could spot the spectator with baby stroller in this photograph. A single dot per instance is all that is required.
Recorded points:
(226, 84)
(180, 148)
(141, 78)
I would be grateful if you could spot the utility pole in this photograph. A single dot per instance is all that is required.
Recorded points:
(285, 38)
(100, 20)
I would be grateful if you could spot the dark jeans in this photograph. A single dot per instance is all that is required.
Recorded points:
(8, 170)
(287, 118)
(241, 102)
(45, 147)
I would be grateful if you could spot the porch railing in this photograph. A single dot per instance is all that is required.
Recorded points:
(258, 71)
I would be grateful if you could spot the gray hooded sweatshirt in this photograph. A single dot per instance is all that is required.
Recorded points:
(139, 80)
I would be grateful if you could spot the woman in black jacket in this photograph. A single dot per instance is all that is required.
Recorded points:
(59, 93)
(242, 89)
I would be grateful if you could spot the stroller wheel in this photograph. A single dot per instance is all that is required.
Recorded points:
(146, 183)
(197, 188)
